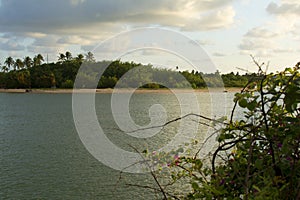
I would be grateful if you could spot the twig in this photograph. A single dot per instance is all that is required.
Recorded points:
(152, 188)
(221, 148)
(235, 102)
(177, 119)
(205, 143)
(247, 184)
(257, 64)
(152, 174)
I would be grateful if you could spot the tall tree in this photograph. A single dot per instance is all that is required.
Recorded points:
(27, 61)
(68, 55)
(18, 64)
(79, 58)
(40, 58)
(37, 60)
(61, 57)
(9, 62)
(90, 57)
(5, 68)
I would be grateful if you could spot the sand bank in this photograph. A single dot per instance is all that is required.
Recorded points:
(108, 91)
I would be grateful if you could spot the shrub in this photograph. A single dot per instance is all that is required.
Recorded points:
(257, 156)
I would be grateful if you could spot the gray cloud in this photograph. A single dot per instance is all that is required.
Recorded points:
(46, 44)
(284, 50)
(258, 44)
(49, 40)
(50, 26)
(11, 46)
(87, 47)
(218, 54)
(259, 32)
(53, 16)
(10, 42)
(203, 42)
(259, 41)
(287, 7)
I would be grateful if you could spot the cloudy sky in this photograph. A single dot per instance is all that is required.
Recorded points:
(228, 30)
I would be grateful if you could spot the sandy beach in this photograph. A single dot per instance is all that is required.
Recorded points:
(109, 90)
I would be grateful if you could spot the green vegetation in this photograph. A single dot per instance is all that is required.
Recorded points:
(257, 156)
(32, 73)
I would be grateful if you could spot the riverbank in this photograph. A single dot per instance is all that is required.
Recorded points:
(109, 90)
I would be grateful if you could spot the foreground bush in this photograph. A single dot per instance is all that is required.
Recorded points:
(257, 156)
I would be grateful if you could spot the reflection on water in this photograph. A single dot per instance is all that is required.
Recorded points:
(42, 157)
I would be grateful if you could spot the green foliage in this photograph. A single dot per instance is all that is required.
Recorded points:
(68, 84)
(23, 78)
(235, 80)
(195, 79)
(107, 82)
(258, 155)
(66, 69)
(2, 80)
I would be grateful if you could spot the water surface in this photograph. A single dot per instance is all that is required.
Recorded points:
(42, 157)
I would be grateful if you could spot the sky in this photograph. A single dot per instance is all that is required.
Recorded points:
(229, 31)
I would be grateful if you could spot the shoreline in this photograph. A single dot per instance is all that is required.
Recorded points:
(109, 91)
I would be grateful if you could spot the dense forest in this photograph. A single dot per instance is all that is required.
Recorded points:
(34, 73)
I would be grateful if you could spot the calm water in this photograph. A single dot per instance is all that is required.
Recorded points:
(42, 157)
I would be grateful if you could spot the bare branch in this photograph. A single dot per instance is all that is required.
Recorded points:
(205, 141)
(177, 119)
(152, 188)
(152, 174)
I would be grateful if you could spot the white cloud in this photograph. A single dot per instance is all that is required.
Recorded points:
(74, 39)
(260, 32)
(262, 41)
(35, 34)
(222, 18)
(259, 47)
(285, 27)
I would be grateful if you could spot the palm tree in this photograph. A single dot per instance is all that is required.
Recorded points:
(61, 57)
(27, 61)
(5, 68)
(37, 60)
(90, 57)
(40, 58)
(68, 55)
(79, 58)
(18, 64)
(9, 62)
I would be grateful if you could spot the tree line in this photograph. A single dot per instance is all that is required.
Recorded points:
(34, 73)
